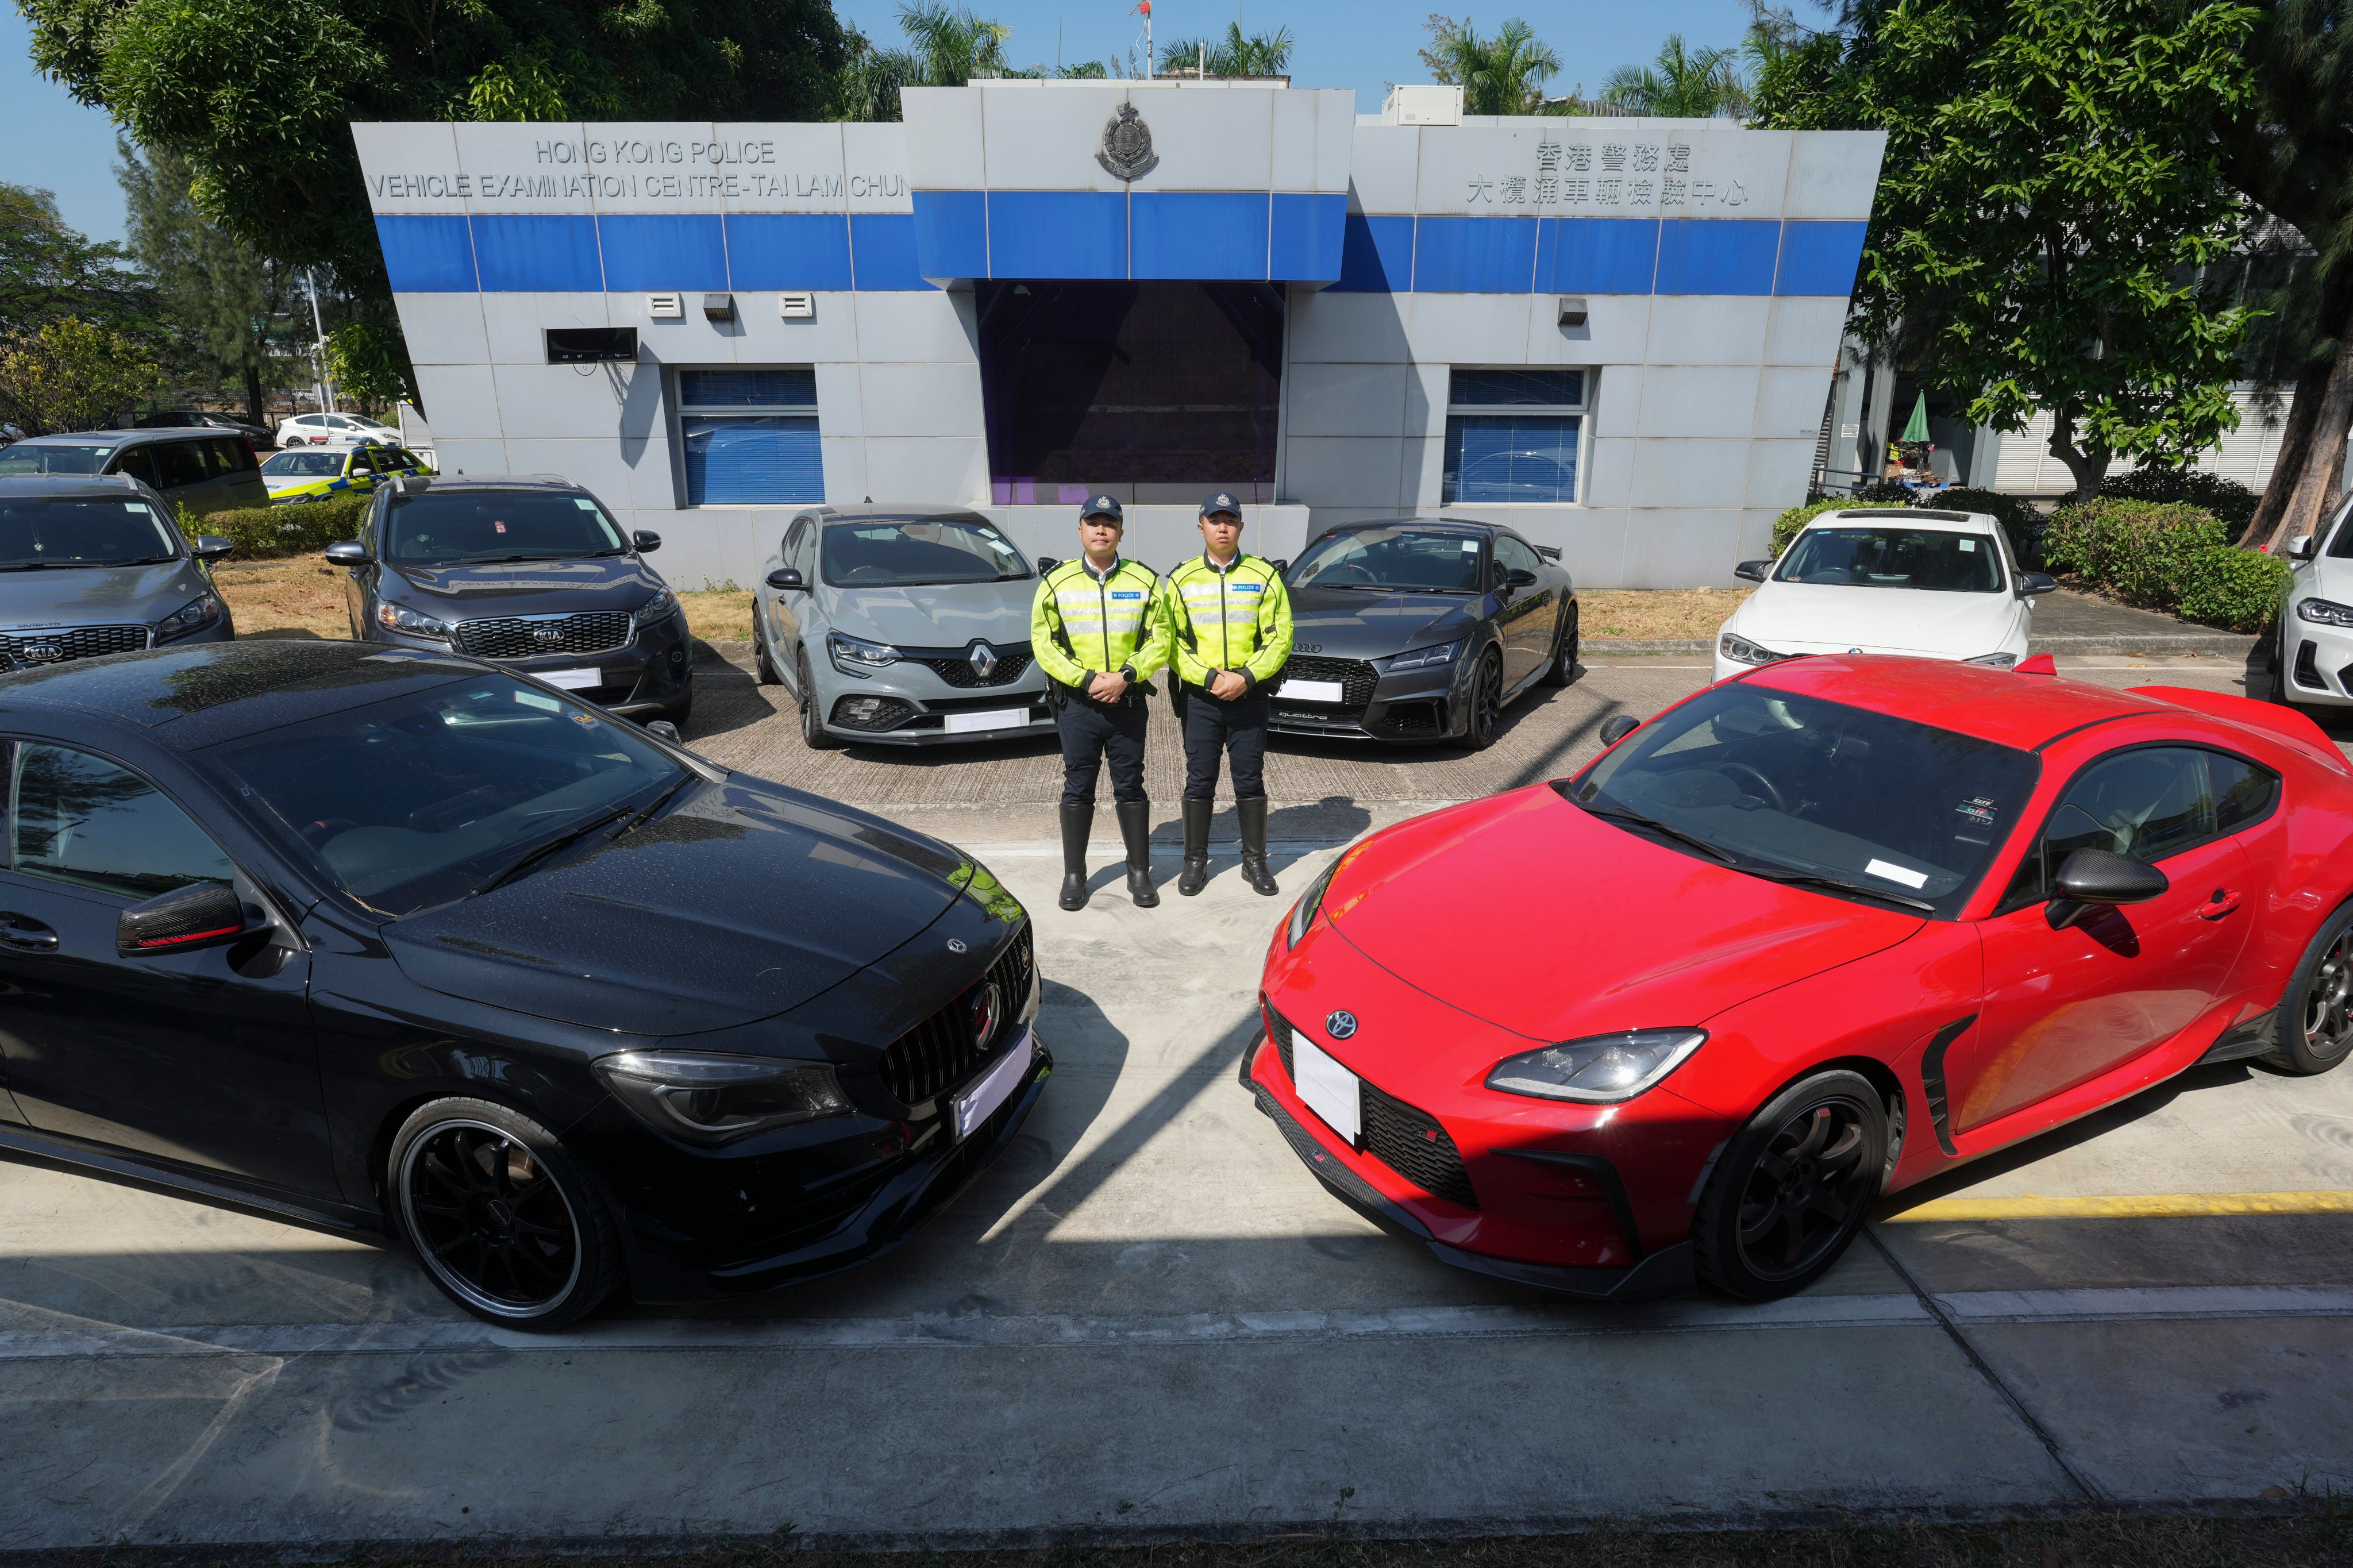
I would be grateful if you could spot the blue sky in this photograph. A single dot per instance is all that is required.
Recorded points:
(47, 140)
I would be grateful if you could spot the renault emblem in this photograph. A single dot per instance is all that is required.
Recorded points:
(1340, 1023)
(982, 657)
(1127, 148)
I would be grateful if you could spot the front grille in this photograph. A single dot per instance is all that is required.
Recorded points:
(958, 671)
(70, 642)
(1357, 680)
(533, 637)
(1406, 1139)
(1413, 717)
(941, 1053)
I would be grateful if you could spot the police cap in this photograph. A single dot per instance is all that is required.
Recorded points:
(1103, 506)
(1219, 502)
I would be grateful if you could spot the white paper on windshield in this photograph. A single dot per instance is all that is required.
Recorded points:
(1325, 1087)
(979, 1102)
(995, 718)
(572, 679)
(539, 700)
(1309, 691)
(1895, 873)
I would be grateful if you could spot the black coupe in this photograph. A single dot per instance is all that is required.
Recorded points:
(1422, 629)
(397, 941)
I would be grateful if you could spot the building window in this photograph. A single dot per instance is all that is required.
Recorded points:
(750, 436)
(1511, 436)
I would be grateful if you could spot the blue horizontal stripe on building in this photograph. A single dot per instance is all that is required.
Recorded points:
(1211, 235)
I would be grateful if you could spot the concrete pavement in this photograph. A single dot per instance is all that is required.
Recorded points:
(1149, 1319)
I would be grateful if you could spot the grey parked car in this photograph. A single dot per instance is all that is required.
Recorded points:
(205, 470)
(904, 626)
(91, 566)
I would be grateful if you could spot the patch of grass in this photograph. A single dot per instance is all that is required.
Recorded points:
(294, 597)
(1655, 615)
(719, 615)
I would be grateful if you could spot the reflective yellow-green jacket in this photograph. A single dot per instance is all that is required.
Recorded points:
(1081, 628)
(1236, 619)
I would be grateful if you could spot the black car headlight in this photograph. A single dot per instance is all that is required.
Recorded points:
(1424, 657)
(1740, 650)
(1302, 913)
(401, 618)
(192, 616)
(856, 656)
(657, 608)
(2324, 612)
(1599, 1071)
(716, 1099)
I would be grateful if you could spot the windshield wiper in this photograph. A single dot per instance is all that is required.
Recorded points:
(1619, 814)
(640, 818)
(550, 848)
(134, 561)
(1835, 884)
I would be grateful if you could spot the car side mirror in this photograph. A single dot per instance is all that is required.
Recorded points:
(211, 547)
(2033, 582)
(2098, 878)
(646, 540)
(666, 729)
(1617, 727)
(1751, 571)
(1280, 566)
(348, 553)
(2301, 548)
(786, 578)
(202, 914)
(1047, 564)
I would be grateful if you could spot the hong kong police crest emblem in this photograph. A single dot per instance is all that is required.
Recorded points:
(1127, 148)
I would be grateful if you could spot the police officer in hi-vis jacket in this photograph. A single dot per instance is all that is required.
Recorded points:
(1229, 627)
(1098, 630)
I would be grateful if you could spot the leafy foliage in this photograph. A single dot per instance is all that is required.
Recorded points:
(1236, 54)
(226, 304)
(1786, 526)
(262, 532)
(2165, 555)
(2231, 501)
(952, 45)
(1682, 83)
(1500, 74)
(71, 375)
(50, 271)
(2050, 182)
(369, 365)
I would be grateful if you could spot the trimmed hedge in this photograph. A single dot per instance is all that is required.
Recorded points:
(1786, 526)
(264, 532)
(2228, 500)
(2165, 555)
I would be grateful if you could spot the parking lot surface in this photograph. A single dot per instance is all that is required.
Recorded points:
(1149, 1319)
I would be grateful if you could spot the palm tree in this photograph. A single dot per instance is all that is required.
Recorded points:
(1680, 84)
(1502, 75)
(866, 87)
(952, 45)
(1236, 54)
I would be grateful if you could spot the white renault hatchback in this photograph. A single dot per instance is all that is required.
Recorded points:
(1932, 584)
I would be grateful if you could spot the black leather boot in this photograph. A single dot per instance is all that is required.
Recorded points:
(1136, 831)
(1196, 875)
(1076, 822)
(1252, 812)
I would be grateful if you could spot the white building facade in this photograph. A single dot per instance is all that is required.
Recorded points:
(1616, 335)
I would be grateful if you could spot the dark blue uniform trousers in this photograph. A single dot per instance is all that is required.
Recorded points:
(1093, 733)
(1236, 729)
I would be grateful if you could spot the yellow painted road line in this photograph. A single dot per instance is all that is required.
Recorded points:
(2139, 1205)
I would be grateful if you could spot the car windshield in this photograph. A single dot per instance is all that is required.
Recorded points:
(420, 800)
(449, 529)
(1925, 558)
(880, 554)
(1388, 559)
(80, 530)
(1789, 787)
(54, 458)
(305, 465)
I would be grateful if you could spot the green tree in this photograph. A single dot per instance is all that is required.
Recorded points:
(1502, 75)
(1236, 54)
(2050, 187)
(49, 271)
(369, 366)
(225, 302)
(72, 374)
(1682, 83)
(868, 86)
(951, 45)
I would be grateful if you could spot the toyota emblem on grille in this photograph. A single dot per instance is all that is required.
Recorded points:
(547, 634)
(1340, 1023)
(985, 1008)
(982, 657)
(44, 652)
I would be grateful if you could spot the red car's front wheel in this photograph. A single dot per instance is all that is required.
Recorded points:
(1793, 1188)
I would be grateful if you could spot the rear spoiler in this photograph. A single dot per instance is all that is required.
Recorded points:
(2285, 724)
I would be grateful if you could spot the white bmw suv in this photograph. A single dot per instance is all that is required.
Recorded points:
(1900, 580)
(2314, 652)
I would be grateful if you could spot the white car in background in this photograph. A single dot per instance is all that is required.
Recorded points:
(340, 431)
(2313, 660)
(1931, 584)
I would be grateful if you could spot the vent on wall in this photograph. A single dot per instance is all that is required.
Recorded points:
(590, 345)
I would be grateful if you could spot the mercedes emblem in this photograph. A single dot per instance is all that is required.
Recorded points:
(982, 657)
(987, 1008)
(1340, 1023)
(956, 944)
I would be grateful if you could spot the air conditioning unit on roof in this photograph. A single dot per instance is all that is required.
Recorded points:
(1422, 104)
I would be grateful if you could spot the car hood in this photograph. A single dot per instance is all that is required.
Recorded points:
(1346, 623)
(531, 588)
(1557, 924)
(89, 595)
(945, 614)
(1800, 617)
(741, 902)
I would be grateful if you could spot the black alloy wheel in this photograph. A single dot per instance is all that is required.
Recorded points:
(1563, 668)
(2314, 1025)
(1486, 702)
(762, 665)
(813, 734)
(503, 1222)
(1793, 1188)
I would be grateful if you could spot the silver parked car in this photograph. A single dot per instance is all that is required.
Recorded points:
(93, 565)
(197, 470)
(904, 626)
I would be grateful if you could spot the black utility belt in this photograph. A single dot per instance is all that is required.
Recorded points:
(1137, 690)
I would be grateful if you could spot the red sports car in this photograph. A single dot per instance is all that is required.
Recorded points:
(1814, 934)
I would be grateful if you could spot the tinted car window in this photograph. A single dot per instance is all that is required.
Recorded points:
(76, 530)
(80, 819)
(883, 553)
(1894, 558)
(178, 463)
(1514, 556)
(2242, 791)
(231, 456)
(1784, 784)
(2147, 804)
(139, 463)
(450, 527)
(305, 464)
(416, 801)
(1389, 558)
(58, 458)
